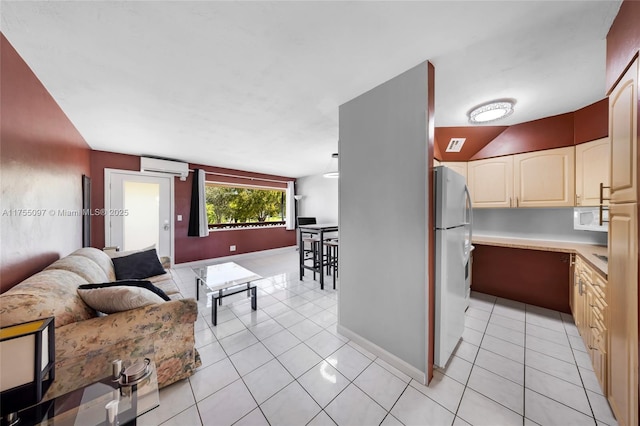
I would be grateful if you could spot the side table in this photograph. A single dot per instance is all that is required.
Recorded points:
(86, 406)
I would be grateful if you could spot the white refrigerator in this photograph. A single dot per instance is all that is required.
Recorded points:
(453, 229)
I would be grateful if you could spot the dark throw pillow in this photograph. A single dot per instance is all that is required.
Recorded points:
(138, 266)
(131, 283)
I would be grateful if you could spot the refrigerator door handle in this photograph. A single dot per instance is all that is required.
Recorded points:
(469, 224)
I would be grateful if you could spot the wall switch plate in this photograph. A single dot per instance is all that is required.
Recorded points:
(232, 248)
(179, 218)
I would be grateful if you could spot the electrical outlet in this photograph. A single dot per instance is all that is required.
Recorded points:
(179, 218)
(232, 248)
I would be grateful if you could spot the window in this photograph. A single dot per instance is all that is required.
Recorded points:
(237, 206)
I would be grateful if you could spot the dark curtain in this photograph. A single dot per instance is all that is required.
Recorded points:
(194, 213)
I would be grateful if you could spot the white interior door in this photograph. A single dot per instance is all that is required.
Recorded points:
(139, 209)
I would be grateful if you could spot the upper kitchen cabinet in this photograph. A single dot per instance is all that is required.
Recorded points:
(623, 132)
(490, 182)
(457, 166)
(544, 178)
(592, 169)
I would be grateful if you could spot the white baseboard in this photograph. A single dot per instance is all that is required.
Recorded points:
(233, 258)
(390, 358)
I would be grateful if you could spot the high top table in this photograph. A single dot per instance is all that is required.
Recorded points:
(320, 230)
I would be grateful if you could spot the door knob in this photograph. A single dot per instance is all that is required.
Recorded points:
(166, 225)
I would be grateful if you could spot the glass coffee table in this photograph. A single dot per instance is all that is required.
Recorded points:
(87, 406)
(226, 279)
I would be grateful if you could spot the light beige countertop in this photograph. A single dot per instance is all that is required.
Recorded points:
(586, 251)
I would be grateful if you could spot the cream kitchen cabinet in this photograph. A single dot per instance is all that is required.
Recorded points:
(457, 166)
(534, 179)
(490, 182)
(592, 169)
(544, 178)
(578, 294)
(623, 299)
(590, 313)
(623, 132)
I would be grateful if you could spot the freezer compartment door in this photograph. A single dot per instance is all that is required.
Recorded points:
(450, 292)
(451, 199)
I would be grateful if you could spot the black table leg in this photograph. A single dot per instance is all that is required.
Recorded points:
(197, 288)
(254, 298)
(301, 253)
(214, 310)
(321, 259)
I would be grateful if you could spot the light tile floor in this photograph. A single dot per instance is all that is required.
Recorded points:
(285, 364)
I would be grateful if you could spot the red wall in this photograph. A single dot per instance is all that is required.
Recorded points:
(188, 249)
(623, 41)
(537, 135)
(42, 163)
(540, 278)
(591, 122)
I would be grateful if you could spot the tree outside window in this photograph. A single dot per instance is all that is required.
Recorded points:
(235, 206)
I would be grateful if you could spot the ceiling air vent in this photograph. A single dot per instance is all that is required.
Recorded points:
(455, 144)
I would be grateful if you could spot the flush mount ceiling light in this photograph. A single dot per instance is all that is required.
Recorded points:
(491, 111)
(332, 168)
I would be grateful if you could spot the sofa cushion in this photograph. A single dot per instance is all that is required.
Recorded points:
(100, 258)
(89, 270)
(50, 293)
(165, 282)
(132, 283)
(118, 298)
(139, 265)
(115, 254)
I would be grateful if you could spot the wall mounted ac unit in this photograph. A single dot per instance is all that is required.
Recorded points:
(157, 165)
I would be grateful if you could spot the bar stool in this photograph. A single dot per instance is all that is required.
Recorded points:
(332, 258)
(312, 253)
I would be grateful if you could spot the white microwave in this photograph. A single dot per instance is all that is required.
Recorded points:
(588, 219)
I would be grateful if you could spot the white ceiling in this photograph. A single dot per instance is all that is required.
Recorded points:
(256, 85)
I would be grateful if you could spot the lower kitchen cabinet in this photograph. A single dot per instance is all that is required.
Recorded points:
(536, 277)
(590, 313)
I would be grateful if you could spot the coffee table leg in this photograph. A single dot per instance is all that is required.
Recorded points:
(197, 288)
(254, 298)
(248, 290)
(214, 311)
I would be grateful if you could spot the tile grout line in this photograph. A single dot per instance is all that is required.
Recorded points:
(294, 378)
(473, 364)
(586, 394)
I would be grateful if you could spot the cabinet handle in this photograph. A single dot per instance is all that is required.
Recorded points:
(577, 200)
(517, 202)
(510, 202)
(601, 208)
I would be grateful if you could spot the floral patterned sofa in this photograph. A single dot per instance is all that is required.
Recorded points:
(86, 343)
